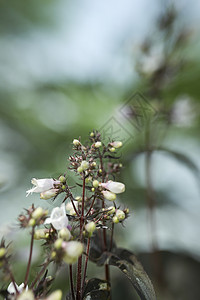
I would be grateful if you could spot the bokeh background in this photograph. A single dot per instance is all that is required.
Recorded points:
(68, 67)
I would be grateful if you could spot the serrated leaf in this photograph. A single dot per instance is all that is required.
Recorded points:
(127, 262)
(97, 289)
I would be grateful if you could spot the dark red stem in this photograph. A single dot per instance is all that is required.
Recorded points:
(30, 257)
(71, 282)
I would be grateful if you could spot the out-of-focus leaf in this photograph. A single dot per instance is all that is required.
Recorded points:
(69, 297)
(127, 262)
(97, 289)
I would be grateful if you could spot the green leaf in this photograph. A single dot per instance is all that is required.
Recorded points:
(127, 262)
(97, 289)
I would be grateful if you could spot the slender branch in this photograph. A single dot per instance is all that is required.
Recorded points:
(91, 206)
(30, 257)
(79, 269)
(72, 201)
(86, 262)
(111, 238)
(40, 274)
(11, 277)
(71, 282)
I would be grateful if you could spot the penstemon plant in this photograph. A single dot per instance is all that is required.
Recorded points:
(79, 231)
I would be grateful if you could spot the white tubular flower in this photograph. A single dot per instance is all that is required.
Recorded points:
(42, 185)
(116, 144)
(48, 194)
(58, 218)
(73, 250)
(11, 289)
(109, 195)
(114, 187)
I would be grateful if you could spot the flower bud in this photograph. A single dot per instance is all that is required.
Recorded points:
(64, 234)
(116, 144)
(2, 252)
(95, 183)
(79, 169)
(40, 234)
(88, 179)
(113, 186)
(58, 243)
(93, 164)
(112, 149)
(53, 254)
(111, 210)
(109, 195)
(92, 134)
(85, 165)
(120, 214)
(56, 295)
(93, 189)
(100, 171)
(31, 222)
(76, 142)
(126, 210)
(97, 144)
(90, 227)
(115, 219)
(37, 213)
(78, 198)
(62, 179)
(48, 194)
(73, 250)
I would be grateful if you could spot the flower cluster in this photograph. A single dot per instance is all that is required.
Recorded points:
(66, 231)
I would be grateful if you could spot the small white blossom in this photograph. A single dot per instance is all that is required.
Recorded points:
(48, 194)
(114, 187)
(11, 289)
(109, 195)
(58, 218)
(116, 144)
(26, 295)
(56, 295)
(97, 144)
(42, 185)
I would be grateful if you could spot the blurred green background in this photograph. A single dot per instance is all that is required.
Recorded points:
(68, 67)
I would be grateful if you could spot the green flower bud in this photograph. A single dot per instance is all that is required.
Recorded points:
(95, 183)
(64, 234)
(38, 213)
(62, 179)
(78, 198)
(80, 169)
(40, 234)
(100, 171)
(48, 194)
(58, 243)
(115, 219)
(63, 187)
(116, 144)
(31, 222)
(76, 142)
(92, 134)
(120, 214)
(2, 252)
(90, 227)
(72, 252)
(112, 149)
(111, 210)
(97, 144)
(85, 165)
(94, 164)
(53, 254)
(93, 189)
(126, 210)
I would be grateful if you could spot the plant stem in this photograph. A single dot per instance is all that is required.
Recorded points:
(111, 238)
(40, 274)
(30, 257)
(79, 269)
(71, 282)
(91, 206)
(107, 271)
(86, 262)
(11, 277)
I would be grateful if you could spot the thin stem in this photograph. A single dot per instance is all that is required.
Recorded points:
(11, 277)
(86, 262)
(71, 282)
(107, 273)
(40, 274)
(72, 201)
(30, 257)
(91, 206)
(79, 269)
(111, 238)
